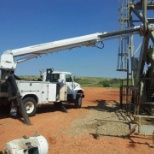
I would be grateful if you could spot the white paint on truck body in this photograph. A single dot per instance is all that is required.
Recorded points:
(44, 91)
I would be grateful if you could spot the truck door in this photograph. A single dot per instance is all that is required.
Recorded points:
(69, 82)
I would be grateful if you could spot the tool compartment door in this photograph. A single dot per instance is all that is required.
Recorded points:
(49, 92)
(63, 93)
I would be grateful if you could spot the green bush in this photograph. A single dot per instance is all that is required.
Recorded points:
(104, 83)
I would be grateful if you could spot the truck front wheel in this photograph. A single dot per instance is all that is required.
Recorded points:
(78, 102)
(30, 106)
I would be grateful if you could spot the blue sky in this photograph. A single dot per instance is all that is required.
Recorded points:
(29, 22)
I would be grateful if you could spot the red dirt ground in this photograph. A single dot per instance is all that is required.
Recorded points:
(56, 126)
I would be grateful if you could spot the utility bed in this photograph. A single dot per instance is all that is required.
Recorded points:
(44, 91)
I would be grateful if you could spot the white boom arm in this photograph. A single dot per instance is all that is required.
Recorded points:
(7, 58)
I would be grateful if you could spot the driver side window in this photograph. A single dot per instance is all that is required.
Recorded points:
(68, 78)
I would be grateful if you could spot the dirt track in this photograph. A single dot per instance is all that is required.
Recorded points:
(73, 132)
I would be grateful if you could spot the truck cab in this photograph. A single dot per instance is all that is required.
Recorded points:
(67, 88)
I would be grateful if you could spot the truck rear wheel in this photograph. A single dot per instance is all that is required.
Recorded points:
(78, 102)
(30, 106)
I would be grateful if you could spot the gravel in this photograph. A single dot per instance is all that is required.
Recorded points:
(98, 121)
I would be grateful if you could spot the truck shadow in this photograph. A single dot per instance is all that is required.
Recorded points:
(47, 108)
(105, 105)
(4, 112)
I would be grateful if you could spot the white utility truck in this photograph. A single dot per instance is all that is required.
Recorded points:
(33, 93)
(53, 87)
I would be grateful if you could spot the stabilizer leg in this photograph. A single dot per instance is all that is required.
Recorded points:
(15, 96)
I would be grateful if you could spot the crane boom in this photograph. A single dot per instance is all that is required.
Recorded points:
(7, 58)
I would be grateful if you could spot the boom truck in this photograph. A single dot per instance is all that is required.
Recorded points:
(55, 86)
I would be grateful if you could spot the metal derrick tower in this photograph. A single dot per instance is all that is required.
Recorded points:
(136, 56)
(132, 13)
(124, 38)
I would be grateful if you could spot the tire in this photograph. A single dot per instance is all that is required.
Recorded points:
(30, 105)
(78, 102)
